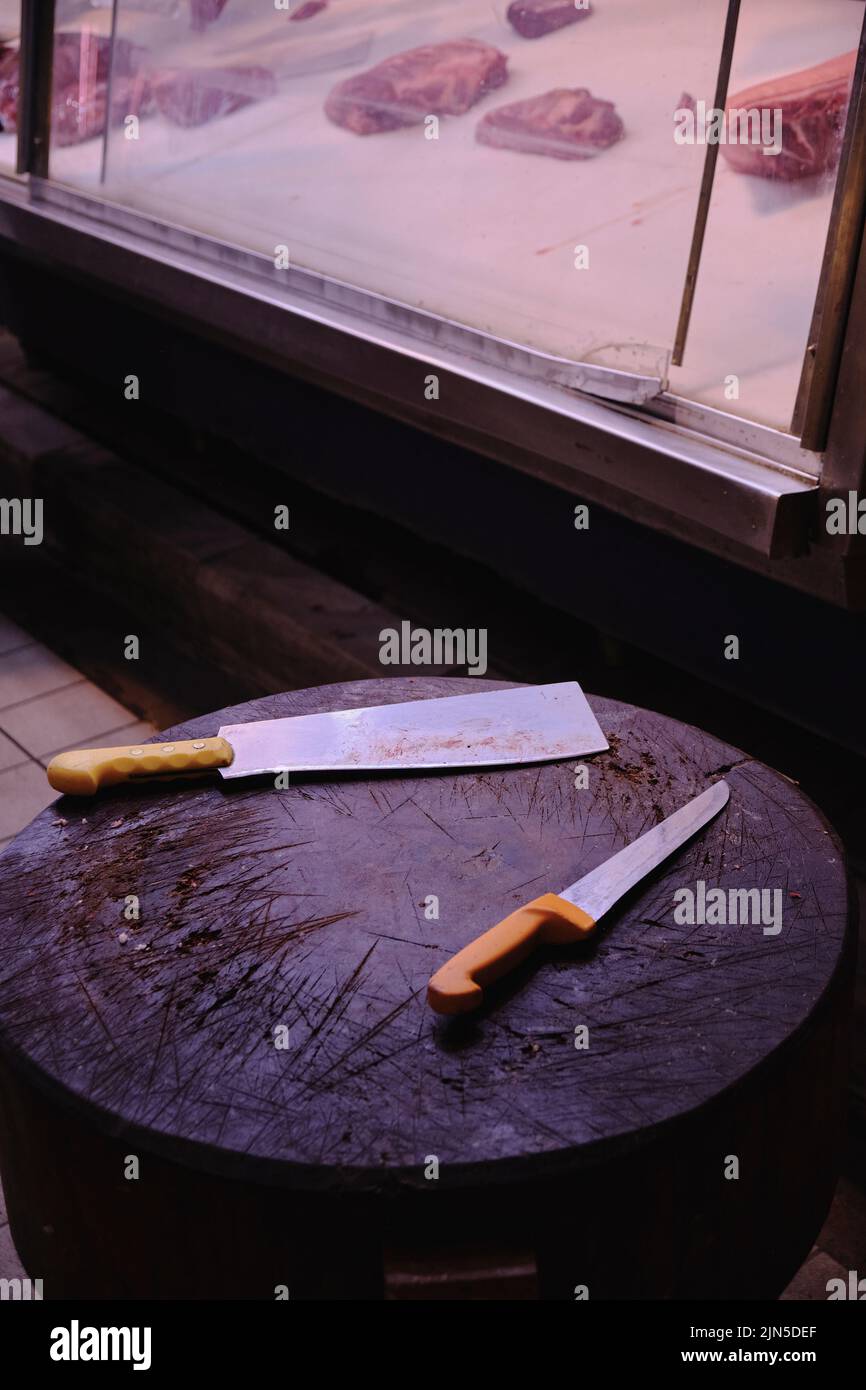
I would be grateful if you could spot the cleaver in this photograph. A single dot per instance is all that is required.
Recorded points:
(532, 724)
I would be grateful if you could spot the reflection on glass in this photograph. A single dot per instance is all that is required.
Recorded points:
(82, 72)
(770, 212)
(10, 29)
(515, 165)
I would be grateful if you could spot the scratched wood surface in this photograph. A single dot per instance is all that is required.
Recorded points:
(305, 907)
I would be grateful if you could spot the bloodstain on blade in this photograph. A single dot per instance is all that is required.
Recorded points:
(423, 749)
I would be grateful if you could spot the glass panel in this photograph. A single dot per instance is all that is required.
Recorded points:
(770, 213)
(233, 117)
(413, 182)
(10, 29)
(94, 65)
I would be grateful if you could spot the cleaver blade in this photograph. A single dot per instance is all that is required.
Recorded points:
(532, 724)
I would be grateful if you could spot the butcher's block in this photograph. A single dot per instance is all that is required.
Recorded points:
(220, 1077)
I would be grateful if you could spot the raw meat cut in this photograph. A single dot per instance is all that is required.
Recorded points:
(439, 79)
(308, 9)
(85, 56)
(534, 18)
(193, 96)
(79, 113)
(813, 105)
(79, 86)
(204, 12)
(567, 123)
(9, 81)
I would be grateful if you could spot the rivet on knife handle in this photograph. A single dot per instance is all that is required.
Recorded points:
(458, 987)
(84, 770)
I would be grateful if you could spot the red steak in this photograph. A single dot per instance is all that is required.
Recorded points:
(534, 18)
(10, 69)
(439, 79)
(87, 57)
(78, 114)
(79, 86)
(192, 96)
(309, 9)
(813, 105)
(567, 123)
(204, 12)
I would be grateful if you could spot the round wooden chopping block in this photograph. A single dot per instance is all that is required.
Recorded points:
(242, 1087)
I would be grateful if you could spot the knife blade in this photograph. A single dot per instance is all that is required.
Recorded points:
(569, 916)
(536, 723)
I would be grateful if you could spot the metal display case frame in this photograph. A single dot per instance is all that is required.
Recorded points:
(740, 490)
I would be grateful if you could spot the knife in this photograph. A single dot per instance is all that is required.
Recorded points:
(563, 918)
(535, 723)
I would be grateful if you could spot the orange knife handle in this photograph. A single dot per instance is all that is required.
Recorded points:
(458, 986)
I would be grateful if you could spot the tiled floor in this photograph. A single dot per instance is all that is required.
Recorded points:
(839, 1249)
(45, 706)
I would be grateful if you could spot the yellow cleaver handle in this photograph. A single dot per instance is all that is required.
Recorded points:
(83, 771)
(458, 987)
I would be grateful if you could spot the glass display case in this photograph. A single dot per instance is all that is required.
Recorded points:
(629, 233)
(10, 35)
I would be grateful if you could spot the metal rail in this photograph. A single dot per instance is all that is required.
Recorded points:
(37, 62)
(845, 233)
(706, 193)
